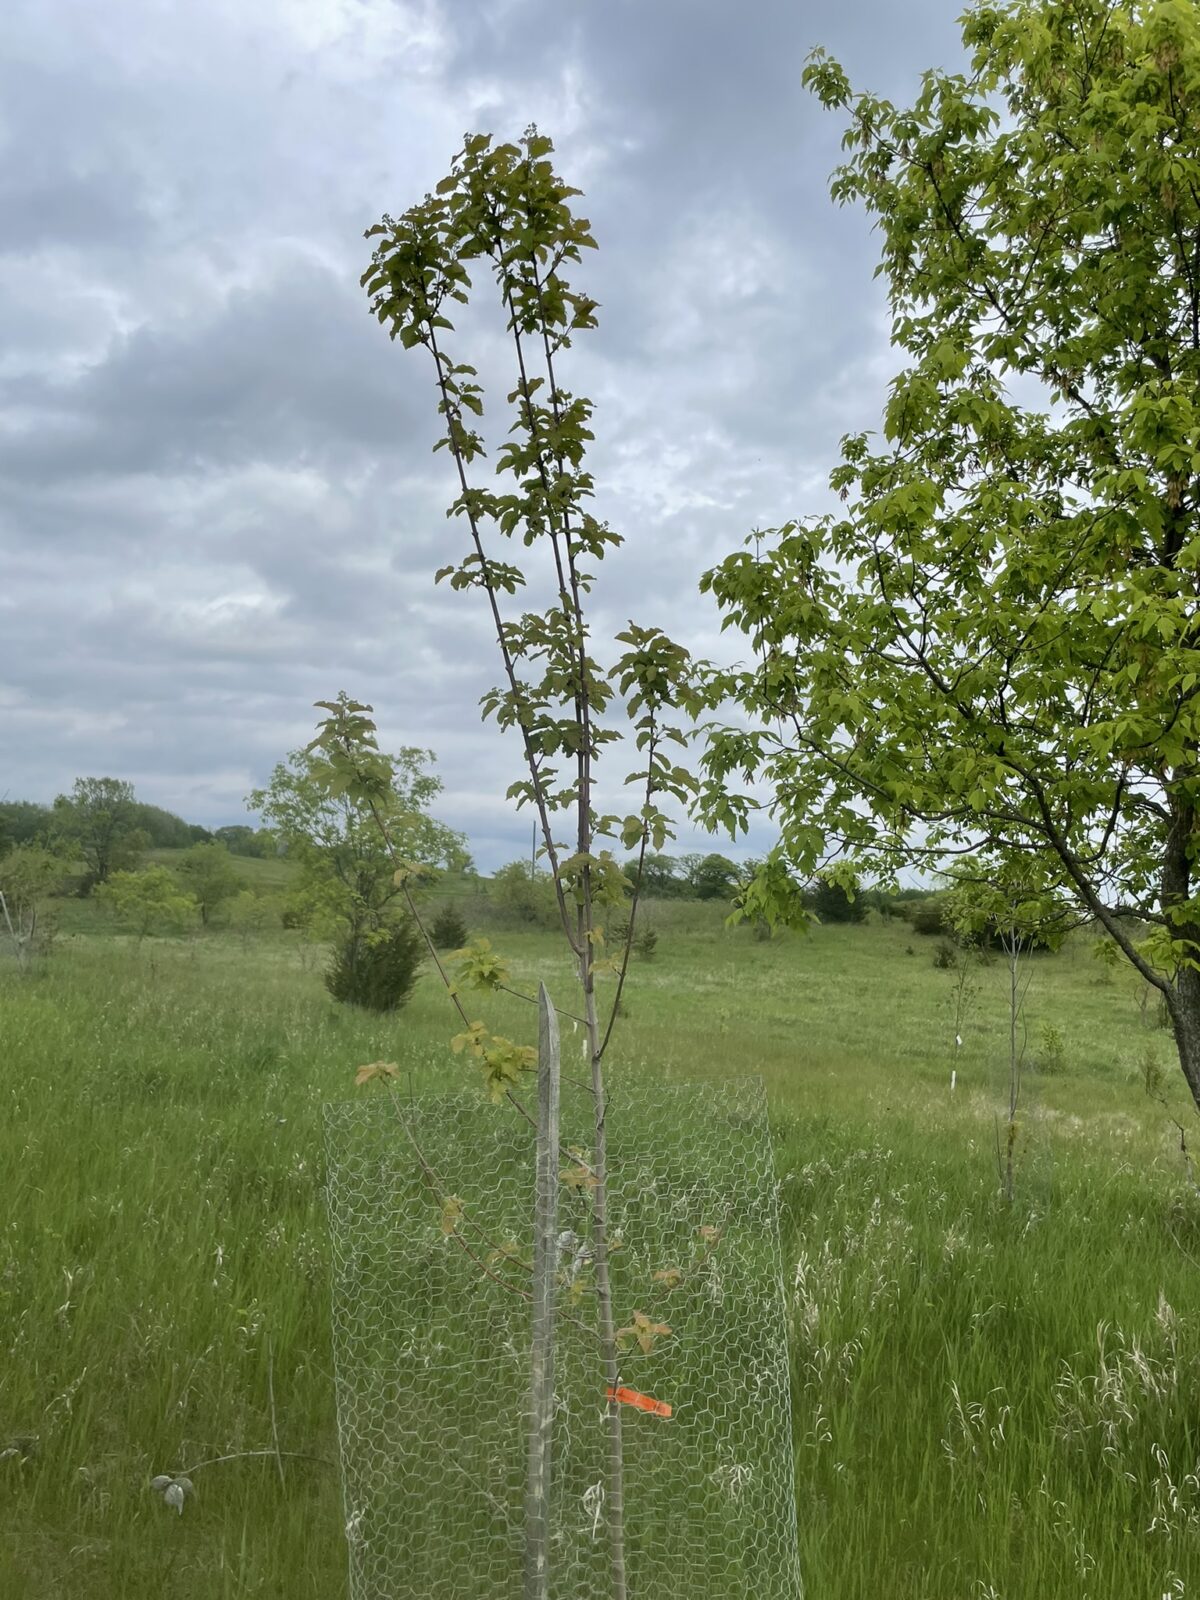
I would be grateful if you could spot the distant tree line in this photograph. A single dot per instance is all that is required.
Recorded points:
(107, 828)
(687, 877)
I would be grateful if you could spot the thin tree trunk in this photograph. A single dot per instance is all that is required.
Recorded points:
(19, 942)
(1014, 1061)
(1183, 996)
(604, 1301)
(545, 1265)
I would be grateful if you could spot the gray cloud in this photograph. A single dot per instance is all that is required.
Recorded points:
(217, 499)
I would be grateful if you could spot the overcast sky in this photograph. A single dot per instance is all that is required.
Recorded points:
(217, 498)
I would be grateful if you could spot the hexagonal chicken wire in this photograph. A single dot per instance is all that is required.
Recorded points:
(431, 1347)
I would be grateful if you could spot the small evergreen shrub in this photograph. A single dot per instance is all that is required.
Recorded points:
(832, 904)
(376, 970)
(645, 939)
(946, 956)
(448, 930)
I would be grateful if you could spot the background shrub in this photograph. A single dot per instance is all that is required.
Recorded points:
(522, 897)
(946, 956)
(448, 930)
(376, 970)
(929, 917)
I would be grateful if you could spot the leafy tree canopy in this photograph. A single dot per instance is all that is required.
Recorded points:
(208, 873)
(658, 876)
(147, 902)
(710, 877)
(164, 829)
(100, 819)
(337, 839)
(832, 903)
(524, 895)
(991, 654)
(242, 840)
(22, 822)
(29, 875)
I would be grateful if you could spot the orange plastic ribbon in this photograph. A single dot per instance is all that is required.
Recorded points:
(643, 1402)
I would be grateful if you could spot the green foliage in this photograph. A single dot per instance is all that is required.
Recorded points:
(993, 646)
(645, 938)
(348, 837)
(296, 912)
(523, 896)
(929, 916)
(1016, 905)
(241, 840)
(769, 896)
(22, 822)
(29, 875)
(832, 903)
(448, 930)
(157, 1095)
(710, 877)
(1050, 1048)
(99, 821)
(250, 914)
(657, 876)
(478, 966)
(209, 875)
(501, 1061)
(149, 901)
(503, 206)
(378, 969)
(1108, 957)
(164, 830)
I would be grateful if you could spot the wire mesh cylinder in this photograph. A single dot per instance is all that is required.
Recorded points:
(431, 1330)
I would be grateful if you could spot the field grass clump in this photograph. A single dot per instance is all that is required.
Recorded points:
(989, 1399)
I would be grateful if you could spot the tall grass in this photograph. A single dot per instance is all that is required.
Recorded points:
(989, 1400)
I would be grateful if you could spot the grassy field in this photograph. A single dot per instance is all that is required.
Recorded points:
(989, 1400)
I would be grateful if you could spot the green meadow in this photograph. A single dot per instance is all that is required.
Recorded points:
(991, 1400)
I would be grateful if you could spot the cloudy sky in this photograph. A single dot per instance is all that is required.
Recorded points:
(217, 498)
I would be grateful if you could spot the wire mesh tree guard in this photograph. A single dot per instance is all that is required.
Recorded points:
(432, 1205)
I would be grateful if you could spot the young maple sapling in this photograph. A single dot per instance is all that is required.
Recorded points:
(504, 206)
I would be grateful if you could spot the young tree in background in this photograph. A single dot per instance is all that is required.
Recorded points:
(147, 902)
(524, 894)
(99, 818)
(210, 875)
(346, 869)
(993, 651)
(29, 875)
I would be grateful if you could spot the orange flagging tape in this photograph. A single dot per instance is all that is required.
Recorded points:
(643, 1402)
